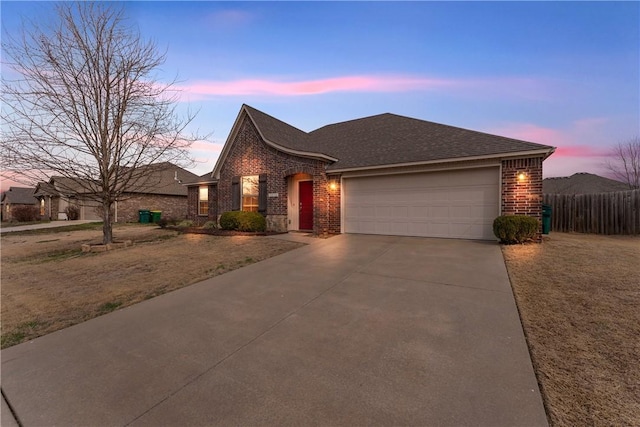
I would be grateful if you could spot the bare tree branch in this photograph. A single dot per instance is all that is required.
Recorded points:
(624, 162)
(86, 105)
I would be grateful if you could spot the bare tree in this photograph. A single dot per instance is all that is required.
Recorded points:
(80, 100)
(624, 163)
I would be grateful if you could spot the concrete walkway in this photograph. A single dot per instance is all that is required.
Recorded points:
(52, 224)
(351, 330)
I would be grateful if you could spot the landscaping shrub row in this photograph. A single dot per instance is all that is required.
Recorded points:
(232, 221)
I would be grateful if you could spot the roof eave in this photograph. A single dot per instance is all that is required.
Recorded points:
(533, 153)
(198, 183)
(307, 154)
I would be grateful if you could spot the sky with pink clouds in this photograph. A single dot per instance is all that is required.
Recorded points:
(565, 74)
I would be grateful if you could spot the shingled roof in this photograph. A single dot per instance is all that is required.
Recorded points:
(19, 196)
(163, 178)
(159, 178)
(388, 140)
(581, 183)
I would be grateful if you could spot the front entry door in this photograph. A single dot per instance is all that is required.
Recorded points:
(306, 205)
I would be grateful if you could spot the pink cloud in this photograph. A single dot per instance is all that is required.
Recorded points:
(507, 87)
(580, 138)
(581, 151)
(532, 133)
(314, 87)
(582, 145)
(206, 146)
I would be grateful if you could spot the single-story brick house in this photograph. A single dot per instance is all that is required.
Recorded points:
(384, 174)
(14, 197)
(162, 190)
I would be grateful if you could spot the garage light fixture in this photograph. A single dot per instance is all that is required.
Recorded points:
(333, 185)
(522, 176)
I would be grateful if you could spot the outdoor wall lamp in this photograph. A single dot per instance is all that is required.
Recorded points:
(522, 176)
(333, 185)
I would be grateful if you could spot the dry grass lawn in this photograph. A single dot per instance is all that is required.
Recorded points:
(579, 300)
(48, 284)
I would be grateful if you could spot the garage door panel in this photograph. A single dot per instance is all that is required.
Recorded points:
(418, 212)
(460, 204)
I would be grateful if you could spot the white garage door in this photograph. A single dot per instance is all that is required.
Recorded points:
(455, 204)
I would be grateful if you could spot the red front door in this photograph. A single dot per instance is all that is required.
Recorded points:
(305, 216)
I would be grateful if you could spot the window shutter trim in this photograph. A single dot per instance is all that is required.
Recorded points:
(262, 194)
(235, 193)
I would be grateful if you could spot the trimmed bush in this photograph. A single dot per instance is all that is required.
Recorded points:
(72, 212)
(512, 229)
(229, 220)
(25, 213)
(243, 221)
(210, 225)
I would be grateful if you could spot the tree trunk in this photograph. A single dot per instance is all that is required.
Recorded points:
(107, 226)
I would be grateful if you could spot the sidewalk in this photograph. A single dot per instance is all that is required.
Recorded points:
(52, 224)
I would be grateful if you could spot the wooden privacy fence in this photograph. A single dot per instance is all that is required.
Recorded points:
(602, 213)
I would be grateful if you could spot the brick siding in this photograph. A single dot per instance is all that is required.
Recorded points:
(171, 206)
(193, 203)
(250, 155)
(522, 197)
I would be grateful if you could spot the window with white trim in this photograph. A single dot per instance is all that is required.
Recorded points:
(250, 191)
(203, 200)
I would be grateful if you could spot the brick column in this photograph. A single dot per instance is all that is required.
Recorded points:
(522, 188)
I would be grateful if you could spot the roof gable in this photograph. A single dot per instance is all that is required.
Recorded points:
(275, 133)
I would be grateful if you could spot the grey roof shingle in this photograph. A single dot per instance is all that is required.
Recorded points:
(581, 183)
(388, 139)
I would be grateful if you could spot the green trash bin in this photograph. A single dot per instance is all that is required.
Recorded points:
(546, 219)
(145, 216)
(155, 216)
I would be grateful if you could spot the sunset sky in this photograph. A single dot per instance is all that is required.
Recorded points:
(565, 74)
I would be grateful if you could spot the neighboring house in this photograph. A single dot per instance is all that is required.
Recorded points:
(16, 196)
(162, 190)
(385, 174)
(56, 195)
(582, 183)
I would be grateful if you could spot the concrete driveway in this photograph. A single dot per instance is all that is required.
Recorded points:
(352, 330)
